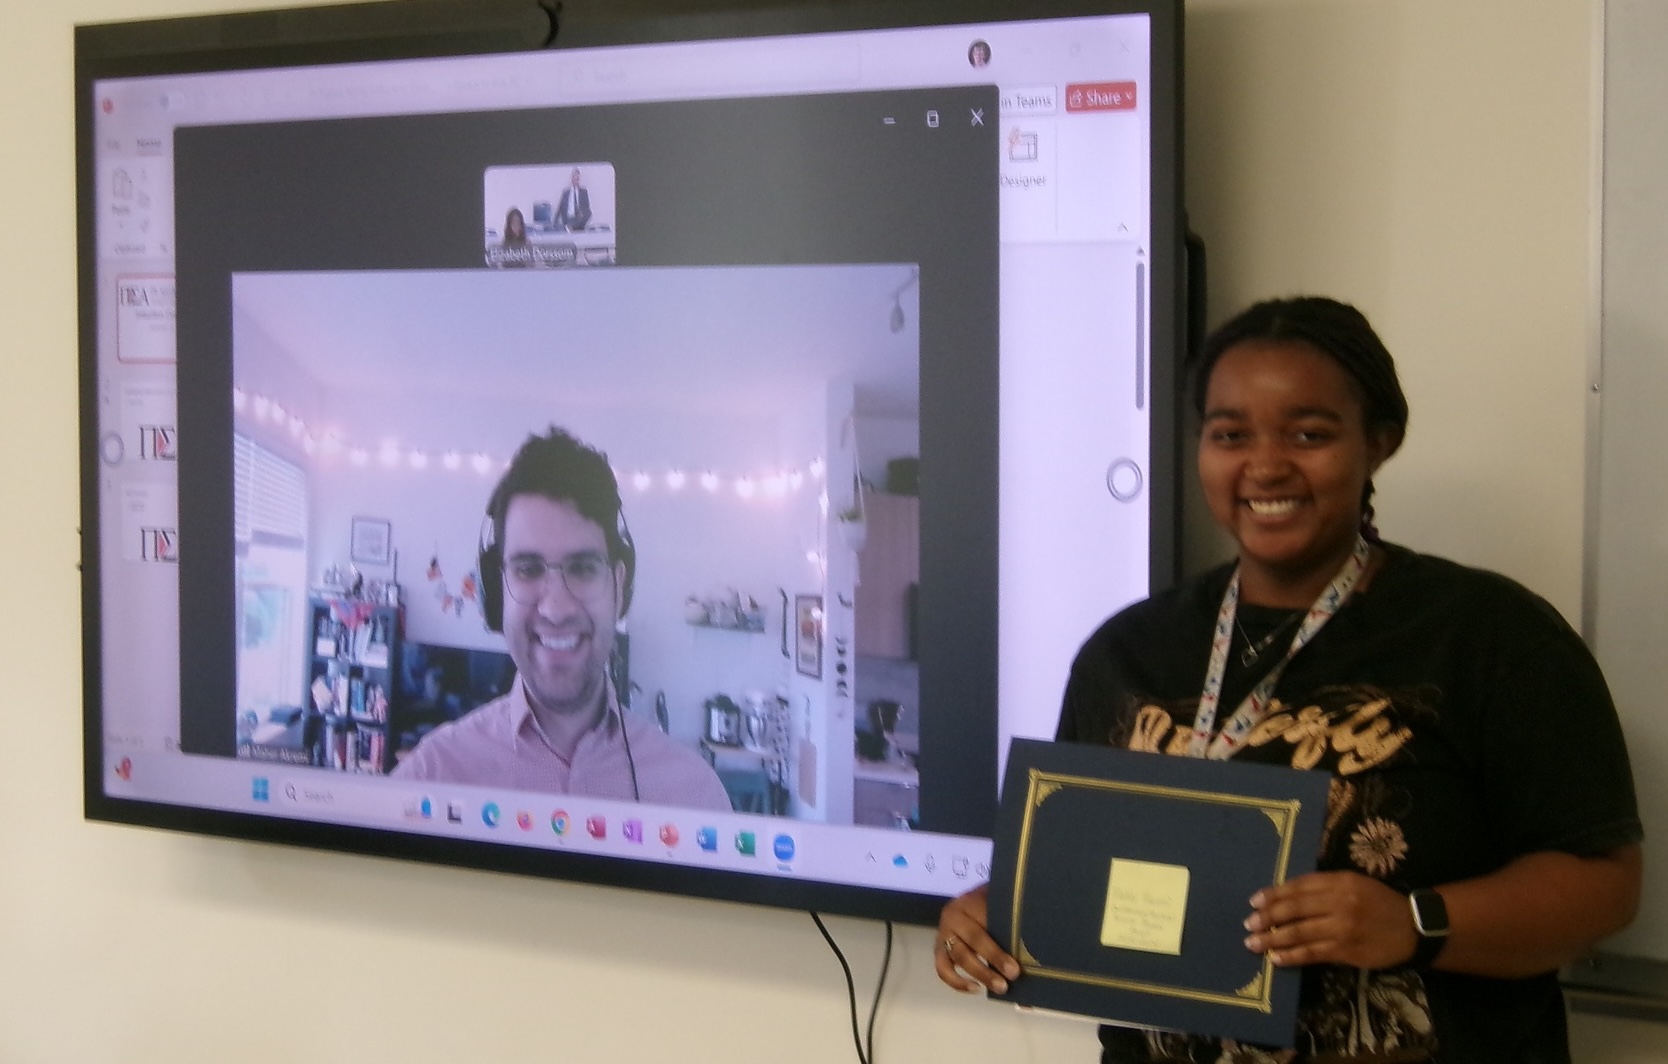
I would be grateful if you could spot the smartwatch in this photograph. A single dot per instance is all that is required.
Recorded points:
(1430, 920)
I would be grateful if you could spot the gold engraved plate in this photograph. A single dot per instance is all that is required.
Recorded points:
(1146, 905)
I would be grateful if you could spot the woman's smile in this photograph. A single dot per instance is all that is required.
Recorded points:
(1284, 461)
(1271, 507)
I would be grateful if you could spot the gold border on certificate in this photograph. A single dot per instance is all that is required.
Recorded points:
(1282, 815)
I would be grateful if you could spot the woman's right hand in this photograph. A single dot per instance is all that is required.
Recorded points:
(966, 957)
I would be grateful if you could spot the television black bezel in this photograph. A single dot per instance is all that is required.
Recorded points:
(413, 29)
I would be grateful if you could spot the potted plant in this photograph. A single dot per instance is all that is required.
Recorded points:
(854, 527)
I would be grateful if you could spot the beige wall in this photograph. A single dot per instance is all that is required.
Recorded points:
(1427, 159)
(1431, 163)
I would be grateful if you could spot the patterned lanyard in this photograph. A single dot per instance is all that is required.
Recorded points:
(1255, 707)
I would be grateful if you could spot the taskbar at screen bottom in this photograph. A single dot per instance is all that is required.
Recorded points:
(918, 862)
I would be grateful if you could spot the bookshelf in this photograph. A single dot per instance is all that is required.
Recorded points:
(352, 682)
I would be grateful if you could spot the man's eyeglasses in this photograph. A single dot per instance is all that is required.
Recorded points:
(586, 575)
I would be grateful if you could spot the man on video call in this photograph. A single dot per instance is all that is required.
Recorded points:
(573, 210)
(556, 565)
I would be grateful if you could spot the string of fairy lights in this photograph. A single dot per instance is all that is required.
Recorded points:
(672, 478)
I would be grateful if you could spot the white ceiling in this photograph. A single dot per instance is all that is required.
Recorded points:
(709, 338)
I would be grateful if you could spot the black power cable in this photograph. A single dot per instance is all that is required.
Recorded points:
(865, 1045)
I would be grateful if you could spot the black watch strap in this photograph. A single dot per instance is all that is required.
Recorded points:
(1430, 923)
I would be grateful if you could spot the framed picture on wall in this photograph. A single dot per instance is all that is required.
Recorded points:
(807, 612)
(370, 541)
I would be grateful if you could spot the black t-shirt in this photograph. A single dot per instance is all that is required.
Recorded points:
(1465, 724)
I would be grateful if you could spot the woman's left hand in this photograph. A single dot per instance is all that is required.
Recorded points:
(1332, 918)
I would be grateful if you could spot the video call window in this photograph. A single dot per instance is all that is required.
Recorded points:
(732, 403)
(762, 385)
(543, 216)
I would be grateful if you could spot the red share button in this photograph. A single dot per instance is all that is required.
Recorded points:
(1101, 96)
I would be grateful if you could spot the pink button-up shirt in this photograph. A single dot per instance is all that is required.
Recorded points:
(501, 744)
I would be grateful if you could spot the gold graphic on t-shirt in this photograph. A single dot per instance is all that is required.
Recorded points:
(1361, 733)
(1368, 738)
(1307, 731)
(1340, 799)
(1377, 846)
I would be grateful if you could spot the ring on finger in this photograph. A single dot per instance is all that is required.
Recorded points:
(949, 945)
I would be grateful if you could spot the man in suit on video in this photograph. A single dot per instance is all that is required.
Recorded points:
(573, 210)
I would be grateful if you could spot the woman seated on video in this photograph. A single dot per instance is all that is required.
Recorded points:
(1481, 829)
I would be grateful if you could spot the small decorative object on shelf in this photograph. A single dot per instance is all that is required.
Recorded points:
(732, 611)
(854, 528)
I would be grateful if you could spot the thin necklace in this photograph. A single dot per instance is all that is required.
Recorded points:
(1254, 650)
(1206, 741)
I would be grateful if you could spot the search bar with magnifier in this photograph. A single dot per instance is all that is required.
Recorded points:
(330, 800)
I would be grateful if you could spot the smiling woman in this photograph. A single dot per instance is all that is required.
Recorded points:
(1481, 829)
(1284, 460)
(1292, 435)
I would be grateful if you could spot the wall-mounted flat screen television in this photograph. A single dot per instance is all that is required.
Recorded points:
(674, 448)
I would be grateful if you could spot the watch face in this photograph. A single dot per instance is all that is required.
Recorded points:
(1430, 913)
